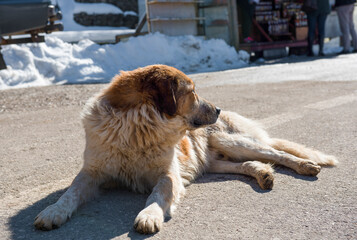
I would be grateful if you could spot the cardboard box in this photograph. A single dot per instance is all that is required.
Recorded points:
(301, 33)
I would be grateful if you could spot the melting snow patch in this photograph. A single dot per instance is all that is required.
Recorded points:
(58, 62)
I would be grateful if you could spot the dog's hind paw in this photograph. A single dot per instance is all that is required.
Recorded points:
(266, 180)
(51, 218)
(308, 168)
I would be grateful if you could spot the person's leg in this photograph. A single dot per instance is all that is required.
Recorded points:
(245, 17)
(251, 8)
(311, 20)
(321, 19)
(343, 21)
(352, 26)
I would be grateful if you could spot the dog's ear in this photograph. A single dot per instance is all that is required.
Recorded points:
(165, 99)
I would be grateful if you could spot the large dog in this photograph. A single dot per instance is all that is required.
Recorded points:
(150, 131)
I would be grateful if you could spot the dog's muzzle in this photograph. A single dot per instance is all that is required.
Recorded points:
(207, 115)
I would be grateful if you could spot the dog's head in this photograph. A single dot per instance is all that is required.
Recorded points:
(165, 88)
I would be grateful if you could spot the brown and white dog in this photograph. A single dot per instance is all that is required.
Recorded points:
(150, 131)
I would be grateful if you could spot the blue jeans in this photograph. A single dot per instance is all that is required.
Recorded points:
(312, 19)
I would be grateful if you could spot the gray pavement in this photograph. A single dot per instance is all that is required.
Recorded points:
(42, 141)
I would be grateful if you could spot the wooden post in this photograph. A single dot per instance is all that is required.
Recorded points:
(147, 15)
(233, 23)
(140, 25)
(2, 61)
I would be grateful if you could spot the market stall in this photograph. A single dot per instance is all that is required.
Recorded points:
(276, 24)
(277, 27)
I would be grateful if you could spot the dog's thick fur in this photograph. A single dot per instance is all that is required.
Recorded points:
(150, 131)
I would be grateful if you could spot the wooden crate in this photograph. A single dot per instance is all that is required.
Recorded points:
(172, 17)
(301, 33)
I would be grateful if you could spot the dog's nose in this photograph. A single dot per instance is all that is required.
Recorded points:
(218, 110)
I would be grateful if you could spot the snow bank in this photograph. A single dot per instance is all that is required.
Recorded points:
(98, 36)
(58, 62)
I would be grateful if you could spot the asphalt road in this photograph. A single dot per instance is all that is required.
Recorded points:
(42, 141)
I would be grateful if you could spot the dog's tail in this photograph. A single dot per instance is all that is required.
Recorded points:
(304, 152)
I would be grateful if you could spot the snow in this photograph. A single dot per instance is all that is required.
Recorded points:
(130, 13)
(98, 36)
(97, 8)
(58, 62)
(331, 47)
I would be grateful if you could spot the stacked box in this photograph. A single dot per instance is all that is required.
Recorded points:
(275, 15)
(290, 9)
(301, 33)
(263, 6)
(300, 19)
(265, 16)
(278, 27)
(301, 29)
(277, 4)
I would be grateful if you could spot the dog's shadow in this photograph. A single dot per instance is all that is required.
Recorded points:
(217, 177)
(289, 172)
(213, 177)
(111, 214)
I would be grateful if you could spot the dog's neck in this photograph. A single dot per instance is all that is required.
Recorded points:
(138, 129)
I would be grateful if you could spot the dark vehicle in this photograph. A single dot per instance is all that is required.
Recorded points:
(19, 17)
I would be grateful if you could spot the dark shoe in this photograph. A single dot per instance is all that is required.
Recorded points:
(344, 52)
(321, 54)
(310, 54)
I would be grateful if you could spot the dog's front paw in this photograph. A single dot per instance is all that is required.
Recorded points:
(50, 218)
(308, 168)
(149, 221)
